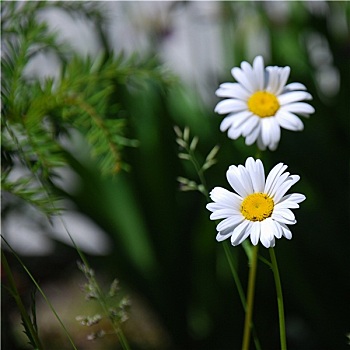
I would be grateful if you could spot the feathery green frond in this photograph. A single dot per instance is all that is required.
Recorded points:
(40, 114)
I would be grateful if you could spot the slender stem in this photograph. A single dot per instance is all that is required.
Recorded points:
(250, 299)
(279, 299)
(247, 249)
(199, 171)
(14, 291)
(122, 339)
(42, 293)
(235, 276)
(240, 291)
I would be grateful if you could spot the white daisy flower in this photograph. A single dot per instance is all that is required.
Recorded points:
(259, 209)
(261, 103)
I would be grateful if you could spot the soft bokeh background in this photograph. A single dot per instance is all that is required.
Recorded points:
(158, 241)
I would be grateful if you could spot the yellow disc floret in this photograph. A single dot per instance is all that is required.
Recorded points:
(263, 104)
(257, 207)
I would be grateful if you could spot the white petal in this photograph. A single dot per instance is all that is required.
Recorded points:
(294, 86)
(225, 198)
(239, 75)
(264, 238)
(239, 180)
(273, 176)
(230, 105)
(249, 125)
(241, 117)
(242, 238)
(260, 143)
(286, 231)
(246, 179)
(290, 201)
(281, 190)
(258, 66)
(283, 77)
(277, 184)
(275, 134)
(267, 230)
(287, 205)
(252, 137)
(272, 79)
(289, 121)
(227, 122)
(233, 90)
(255, 233)
(295, 197)
(299, 107)
(282, 220)
(266, 131)
(270, 132)
(293, 97)
(249, 73)
(230, 222)
(273, 146)
(233, 120)
(234, 132)
(240, 233)
(223, 213)
(278, 232)
(222, 235)
(275, 229)
(285, 213)
(257, 174)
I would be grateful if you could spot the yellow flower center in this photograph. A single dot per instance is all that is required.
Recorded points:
(263, 104)
(257, 207)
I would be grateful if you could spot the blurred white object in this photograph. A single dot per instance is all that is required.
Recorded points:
(30, 233)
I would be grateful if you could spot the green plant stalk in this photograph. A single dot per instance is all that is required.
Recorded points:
(14, 291)
(122, 339)
(276, 276)
(240, 292)
(234, 273)
(199, 171)
(250, 299)
(235, 276)
(42, 293)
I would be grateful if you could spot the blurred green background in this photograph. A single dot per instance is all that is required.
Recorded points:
(161, 243)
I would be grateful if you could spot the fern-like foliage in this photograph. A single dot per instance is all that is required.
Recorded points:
(85, 98)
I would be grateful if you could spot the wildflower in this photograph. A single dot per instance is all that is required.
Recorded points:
(259, 209)
(261, 103)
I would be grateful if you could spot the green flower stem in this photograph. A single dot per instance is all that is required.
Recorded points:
(250, 299)
(279, 299)
(240, 291)
(235, 276)
(249, 251)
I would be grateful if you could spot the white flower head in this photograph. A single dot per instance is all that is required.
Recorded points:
(260, 208)
(261, 103)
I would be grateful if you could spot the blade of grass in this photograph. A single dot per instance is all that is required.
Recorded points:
(28, 324)
(42, 293)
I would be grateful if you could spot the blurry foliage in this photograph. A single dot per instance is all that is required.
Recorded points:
(38, 116)
(112, 306)
(164, 243)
